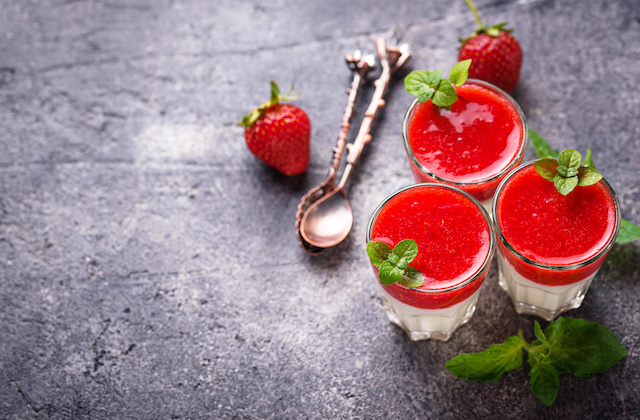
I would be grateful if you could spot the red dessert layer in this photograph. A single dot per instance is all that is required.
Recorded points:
(453, 239)
(477, 139)
(549, 228)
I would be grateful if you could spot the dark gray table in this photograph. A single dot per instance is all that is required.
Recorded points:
(149, 267)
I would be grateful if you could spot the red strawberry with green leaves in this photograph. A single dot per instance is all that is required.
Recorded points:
(278, 133)
(496, 54)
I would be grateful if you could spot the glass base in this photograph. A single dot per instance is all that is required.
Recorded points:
(531, 298)
(423, 324)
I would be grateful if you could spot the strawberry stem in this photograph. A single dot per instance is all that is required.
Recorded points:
(252, 117)
(475, 12)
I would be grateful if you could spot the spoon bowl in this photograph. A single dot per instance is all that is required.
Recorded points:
(328, 221)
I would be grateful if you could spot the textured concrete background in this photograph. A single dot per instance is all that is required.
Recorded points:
(148, 262)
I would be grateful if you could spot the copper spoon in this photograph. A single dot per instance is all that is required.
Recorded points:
(328, 221)
(360, 65)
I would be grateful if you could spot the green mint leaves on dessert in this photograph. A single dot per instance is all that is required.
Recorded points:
(567, 345)
(628, 231)
(394, 264)
(567, 172)
(425, 84)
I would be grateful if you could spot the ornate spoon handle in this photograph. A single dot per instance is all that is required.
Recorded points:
(391, 59)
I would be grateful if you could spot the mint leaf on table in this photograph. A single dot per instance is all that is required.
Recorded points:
(545, 381)
(567, 345)
(628, 232)
(540, 146)
(489, 365)
(394, 263)
(425, 84)
(581, 348)
(588, 159)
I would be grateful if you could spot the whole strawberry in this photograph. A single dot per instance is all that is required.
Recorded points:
(496, 54)
(278, 134)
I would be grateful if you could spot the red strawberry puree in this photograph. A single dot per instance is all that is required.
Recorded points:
(550, 245)
(549, 228)
(471, 146)
(453, 238)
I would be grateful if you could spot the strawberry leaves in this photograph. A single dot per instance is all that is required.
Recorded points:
(394, 264)
(251, 118)
(425, 84)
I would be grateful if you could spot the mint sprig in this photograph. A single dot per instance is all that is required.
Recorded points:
(567, 345)
(425, 84)
(628, 231)
(567, 171)
(394, 264)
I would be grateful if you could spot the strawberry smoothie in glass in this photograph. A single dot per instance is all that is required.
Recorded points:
(455, 243)
(550, 245)
(471, 146)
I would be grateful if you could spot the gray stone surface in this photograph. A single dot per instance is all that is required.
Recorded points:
(148, 263)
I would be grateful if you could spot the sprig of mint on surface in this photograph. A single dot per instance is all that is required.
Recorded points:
(567, 172)
(628, 231)
(567, 345)
(394, 263)
(425, 84)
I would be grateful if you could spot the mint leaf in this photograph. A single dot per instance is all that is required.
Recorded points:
(412, 278)
(406, 250)
(588, 175)
(567, 345)
(394, 264)
(582, 348)
(540, 146)
(537, 329)
(460, 72)
(566, 173)
(433, 80)
(425, 84)
(389, 273)
(565, 185)
(546, 168)
(446, 95)
(588, 159)
(419, 83)
(378, 252)
(489, 365)
(570, 159)
(545, 381)
(628, 232)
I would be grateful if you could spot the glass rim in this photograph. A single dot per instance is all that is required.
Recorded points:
(558, 267)
(517, 158)
(492, 234)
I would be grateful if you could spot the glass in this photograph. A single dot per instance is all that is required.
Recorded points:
(482, 189)
(540, 289)
(436, 313)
